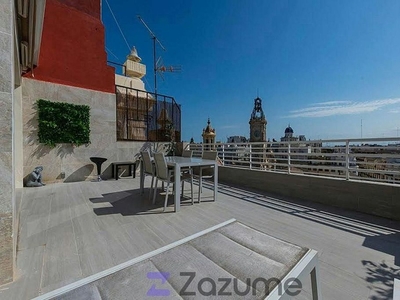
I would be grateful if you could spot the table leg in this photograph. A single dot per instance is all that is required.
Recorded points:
(177, 187)
(215, 181)
(315, 288)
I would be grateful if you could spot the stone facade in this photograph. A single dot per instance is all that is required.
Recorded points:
(6, 141)
(66, 159)
(6, 248)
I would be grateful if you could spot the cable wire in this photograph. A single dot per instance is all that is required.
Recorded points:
(120, 30)
(112, 54)
(148, 84)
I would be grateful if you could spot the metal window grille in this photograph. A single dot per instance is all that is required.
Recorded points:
(145, 116)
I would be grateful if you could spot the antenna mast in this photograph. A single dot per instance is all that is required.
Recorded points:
(158, 67)
(155, 39)
(361, 128)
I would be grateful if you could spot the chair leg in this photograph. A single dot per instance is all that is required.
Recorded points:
(155, 192)
(201, 182)
(191, 189)
(200, 185)
(183, 182)
(166, 197)
(151, 187)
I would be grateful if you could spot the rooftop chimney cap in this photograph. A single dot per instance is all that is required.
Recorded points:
(134, 55)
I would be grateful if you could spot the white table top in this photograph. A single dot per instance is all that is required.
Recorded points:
(189, 162)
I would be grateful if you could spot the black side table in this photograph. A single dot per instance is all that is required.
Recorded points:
(116, 165)
(98, 161)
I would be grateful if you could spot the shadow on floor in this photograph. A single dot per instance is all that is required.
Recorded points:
(380, 234)
(132, 202)
(81, 174)
(381, 277)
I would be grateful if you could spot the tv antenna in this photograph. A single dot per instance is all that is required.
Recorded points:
(156, 62)
(161, 68)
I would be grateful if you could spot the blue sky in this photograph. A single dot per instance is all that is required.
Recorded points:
(322, 66)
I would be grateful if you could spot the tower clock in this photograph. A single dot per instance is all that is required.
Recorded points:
(258, 123)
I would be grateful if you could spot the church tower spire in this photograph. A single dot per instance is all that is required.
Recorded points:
(209, 136)
(258, 123)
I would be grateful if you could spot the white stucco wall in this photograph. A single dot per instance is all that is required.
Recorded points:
(134, 83)
(73, 161)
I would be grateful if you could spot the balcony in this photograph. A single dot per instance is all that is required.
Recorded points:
(360, 175)
(376, 160)
(145, 116)
(68, 231)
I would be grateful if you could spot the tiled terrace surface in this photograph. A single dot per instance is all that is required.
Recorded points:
(70, 231)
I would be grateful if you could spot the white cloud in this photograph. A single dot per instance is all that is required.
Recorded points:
(332, 102)
(395, 111)
(332, 108)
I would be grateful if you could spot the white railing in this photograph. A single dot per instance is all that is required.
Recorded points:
(376, 159)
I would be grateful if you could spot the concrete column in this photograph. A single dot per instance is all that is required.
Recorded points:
(6, 140)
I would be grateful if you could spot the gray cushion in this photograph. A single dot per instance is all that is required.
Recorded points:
(234, 252)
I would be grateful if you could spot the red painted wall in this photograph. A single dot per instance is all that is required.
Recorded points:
(72, 51)
(91, 7)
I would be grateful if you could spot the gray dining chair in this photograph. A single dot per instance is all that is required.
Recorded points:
(189, 154)
(148, 168)
(167, 175)
(206, 172)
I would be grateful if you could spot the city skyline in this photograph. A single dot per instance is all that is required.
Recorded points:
(322, 67)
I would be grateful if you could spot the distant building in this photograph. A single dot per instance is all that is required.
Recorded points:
(289, 136)
(299, 147)
(237, 139)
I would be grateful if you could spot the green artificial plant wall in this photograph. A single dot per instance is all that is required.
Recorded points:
(63, 123)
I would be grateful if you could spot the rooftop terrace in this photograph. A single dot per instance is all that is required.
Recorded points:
(69, 231)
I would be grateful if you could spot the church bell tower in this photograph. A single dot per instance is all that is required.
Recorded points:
(209, 136)
(258, 123)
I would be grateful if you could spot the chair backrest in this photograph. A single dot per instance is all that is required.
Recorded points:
(161, 166)
(148, 165)
(212, 155)
(187, 153)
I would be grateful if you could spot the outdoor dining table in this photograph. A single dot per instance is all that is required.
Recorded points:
(179, 162)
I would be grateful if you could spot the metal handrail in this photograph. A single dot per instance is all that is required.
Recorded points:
(139, 109)
(370, 159)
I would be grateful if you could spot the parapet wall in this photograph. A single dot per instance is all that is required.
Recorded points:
(371, 198)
